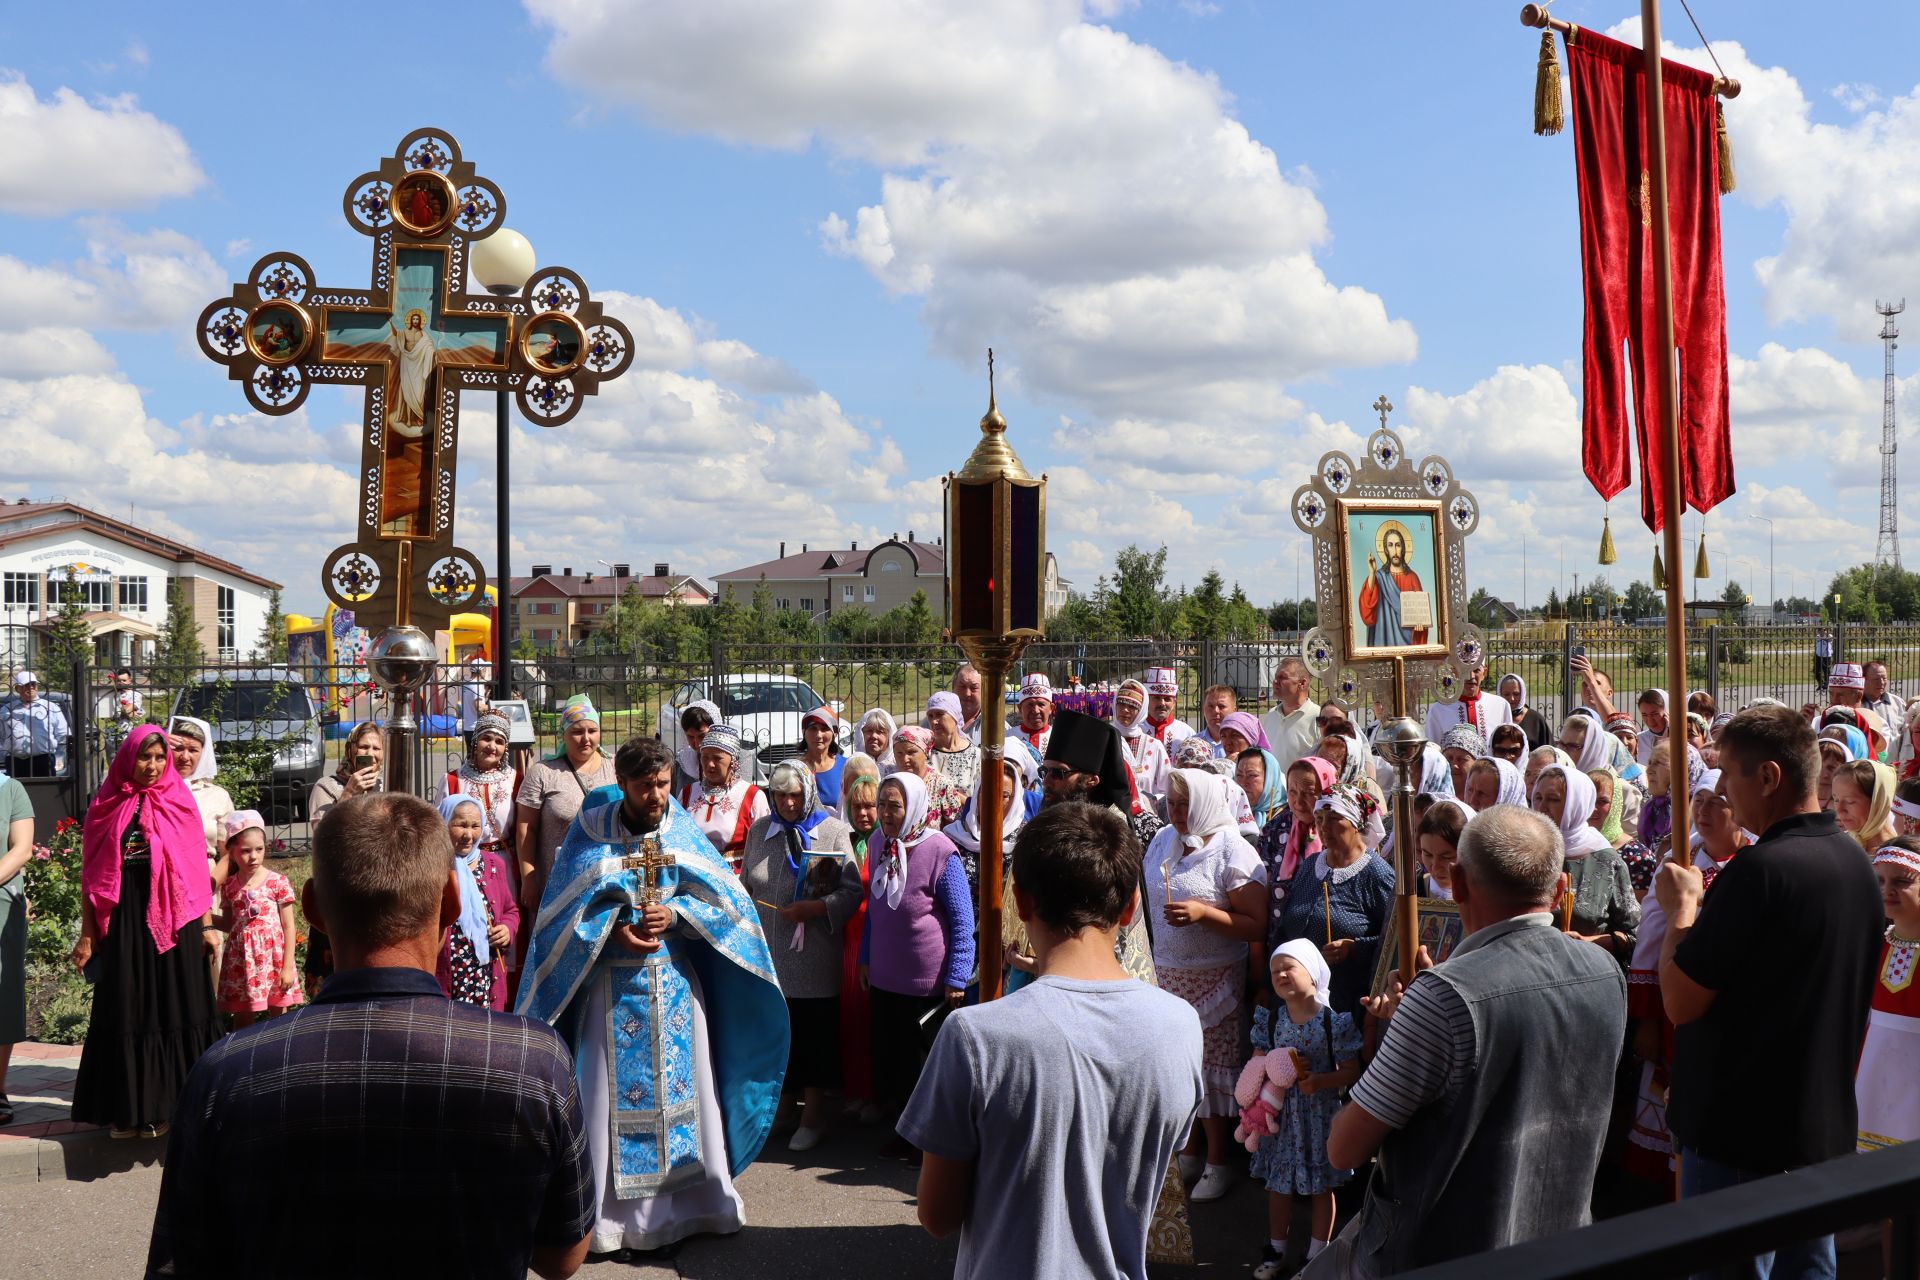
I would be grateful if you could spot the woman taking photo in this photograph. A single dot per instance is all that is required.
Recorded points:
(799, 870)
(1341, 898)
(552, 793)
(359, 773)
(145, 905)
(1205, 891)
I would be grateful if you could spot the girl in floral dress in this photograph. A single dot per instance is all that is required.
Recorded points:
(472, 965)
(257, 974)
(1293, 1162)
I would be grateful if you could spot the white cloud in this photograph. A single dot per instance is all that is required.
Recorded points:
(66, 154)
(1079, 200)
(128, 280)
(1850, 192)
(51, 351)
(1855, 97)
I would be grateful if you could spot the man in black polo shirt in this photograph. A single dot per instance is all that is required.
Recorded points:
(392, 1131)
(1767, 980)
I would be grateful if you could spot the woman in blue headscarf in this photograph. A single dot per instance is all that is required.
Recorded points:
(799, 869)
(473, 958)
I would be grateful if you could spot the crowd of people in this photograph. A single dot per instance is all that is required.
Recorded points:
(701, 951)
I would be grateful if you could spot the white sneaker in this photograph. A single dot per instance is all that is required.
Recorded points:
(1190, 1168)
(805, 1138)
(1213, 1184)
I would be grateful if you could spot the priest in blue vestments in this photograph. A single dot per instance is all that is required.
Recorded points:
(647, 956)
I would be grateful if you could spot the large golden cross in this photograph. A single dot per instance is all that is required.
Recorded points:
(414, 338)
(652, 859)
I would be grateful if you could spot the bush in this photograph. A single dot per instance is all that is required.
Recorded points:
(1697, 669)
(59, 1003)
(1736, 651)
(1648, 653)
(53, 896)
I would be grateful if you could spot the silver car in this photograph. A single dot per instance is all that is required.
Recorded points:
(767, 711)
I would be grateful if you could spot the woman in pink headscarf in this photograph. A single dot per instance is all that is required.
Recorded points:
(145, 901)
(1289, 839)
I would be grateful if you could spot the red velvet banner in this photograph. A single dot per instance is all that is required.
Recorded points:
(1616, 258)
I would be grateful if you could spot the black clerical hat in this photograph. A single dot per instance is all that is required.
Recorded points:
(1088, 745)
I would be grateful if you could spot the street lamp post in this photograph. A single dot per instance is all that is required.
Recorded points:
(1771, 597)
(501, 263)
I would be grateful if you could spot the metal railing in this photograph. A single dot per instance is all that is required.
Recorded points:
(639, 693)
(1726, 1226)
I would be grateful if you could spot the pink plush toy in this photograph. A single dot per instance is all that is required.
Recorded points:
(1264, 1082)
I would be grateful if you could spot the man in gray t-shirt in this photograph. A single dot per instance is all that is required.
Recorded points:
(1048, 1118)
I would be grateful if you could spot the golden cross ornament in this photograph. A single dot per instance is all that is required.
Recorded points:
(414, 337)
(652, 859)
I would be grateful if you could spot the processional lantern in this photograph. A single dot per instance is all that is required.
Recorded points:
(996, 606)
(414, 337)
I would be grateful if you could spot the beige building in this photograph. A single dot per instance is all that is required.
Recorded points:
(558, 610)
(819, 583)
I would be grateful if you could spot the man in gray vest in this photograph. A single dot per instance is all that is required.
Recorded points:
(1487, 1101)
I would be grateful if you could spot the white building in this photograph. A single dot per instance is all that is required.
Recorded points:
(123, 573)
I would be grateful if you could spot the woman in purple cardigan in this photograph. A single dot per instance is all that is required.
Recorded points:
(473, 959)
(917, 952)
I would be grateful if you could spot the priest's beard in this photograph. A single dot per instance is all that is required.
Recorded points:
(639, 826)
(1079, 790)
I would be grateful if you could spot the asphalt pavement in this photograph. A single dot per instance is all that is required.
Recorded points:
(838, 1211)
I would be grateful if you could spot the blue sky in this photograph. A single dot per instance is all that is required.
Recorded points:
(1202, 238)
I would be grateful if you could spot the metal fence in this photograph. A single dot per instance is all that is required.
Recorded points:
(280, 729)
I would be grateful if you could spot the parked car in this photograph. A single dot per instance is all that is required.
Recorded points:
(765, 709)
(263, 704)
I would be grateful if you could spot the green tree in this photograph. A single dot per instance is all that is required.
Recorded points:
(178, 653)
(1642, 601)
(1796, 605)
(1293, 615)
(69, 638)
(1734, 593)
(1553, 607)
(272, 644)
(1206, 608)
(1139, 591)
(1483, 608)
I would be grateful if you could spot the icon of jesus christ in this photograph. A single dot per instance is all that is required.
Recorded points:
(410, 387)
(1380, 596)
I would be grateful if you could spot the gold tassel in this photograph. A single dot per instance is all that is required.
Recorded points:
(1549, 114)
(1659, 572)
(1700, 568)
(1606, 541)
(1726, 147)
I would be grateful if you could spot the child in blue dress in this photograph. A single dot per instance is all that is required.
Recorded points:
(1293, 1162)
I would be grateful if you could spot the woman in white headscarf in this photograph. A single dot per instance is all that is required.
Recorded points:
(695, 719)
(1146, 754)
(876, 731)
(1438, 845)
(1494, 781)
(1513, 687)
(1604, 909)
(909, 970)
(1342, 896)
(1590, 745)
(1017, 773)
(1205, 889)
(190, 740)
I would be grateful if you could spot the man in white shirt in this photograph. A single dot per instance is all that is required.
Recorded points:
(966, 687)
(1483, 711)
(1163, 689)
(1291, 731)
(1879, 699)
(475, 693)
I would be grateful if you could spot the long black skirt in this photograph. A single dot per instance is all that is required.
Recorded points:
(152, 1016)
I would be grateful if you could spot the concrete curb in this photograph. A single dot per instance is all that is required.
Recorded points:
(79, 1155)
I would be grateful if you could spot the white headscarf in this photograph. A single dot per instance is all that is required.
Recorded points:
(1518, 679)
(689, 758)
(1303, 953)
(1208, 810)
(208, 766)
(1132, 731)
(1436, 775)
(891, 881)
(1594, 749)
(1581, 838)
(1513, 783)
(964, 831)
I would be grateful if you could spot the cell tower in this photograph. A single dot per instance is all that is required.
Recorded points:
(1887, 549)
